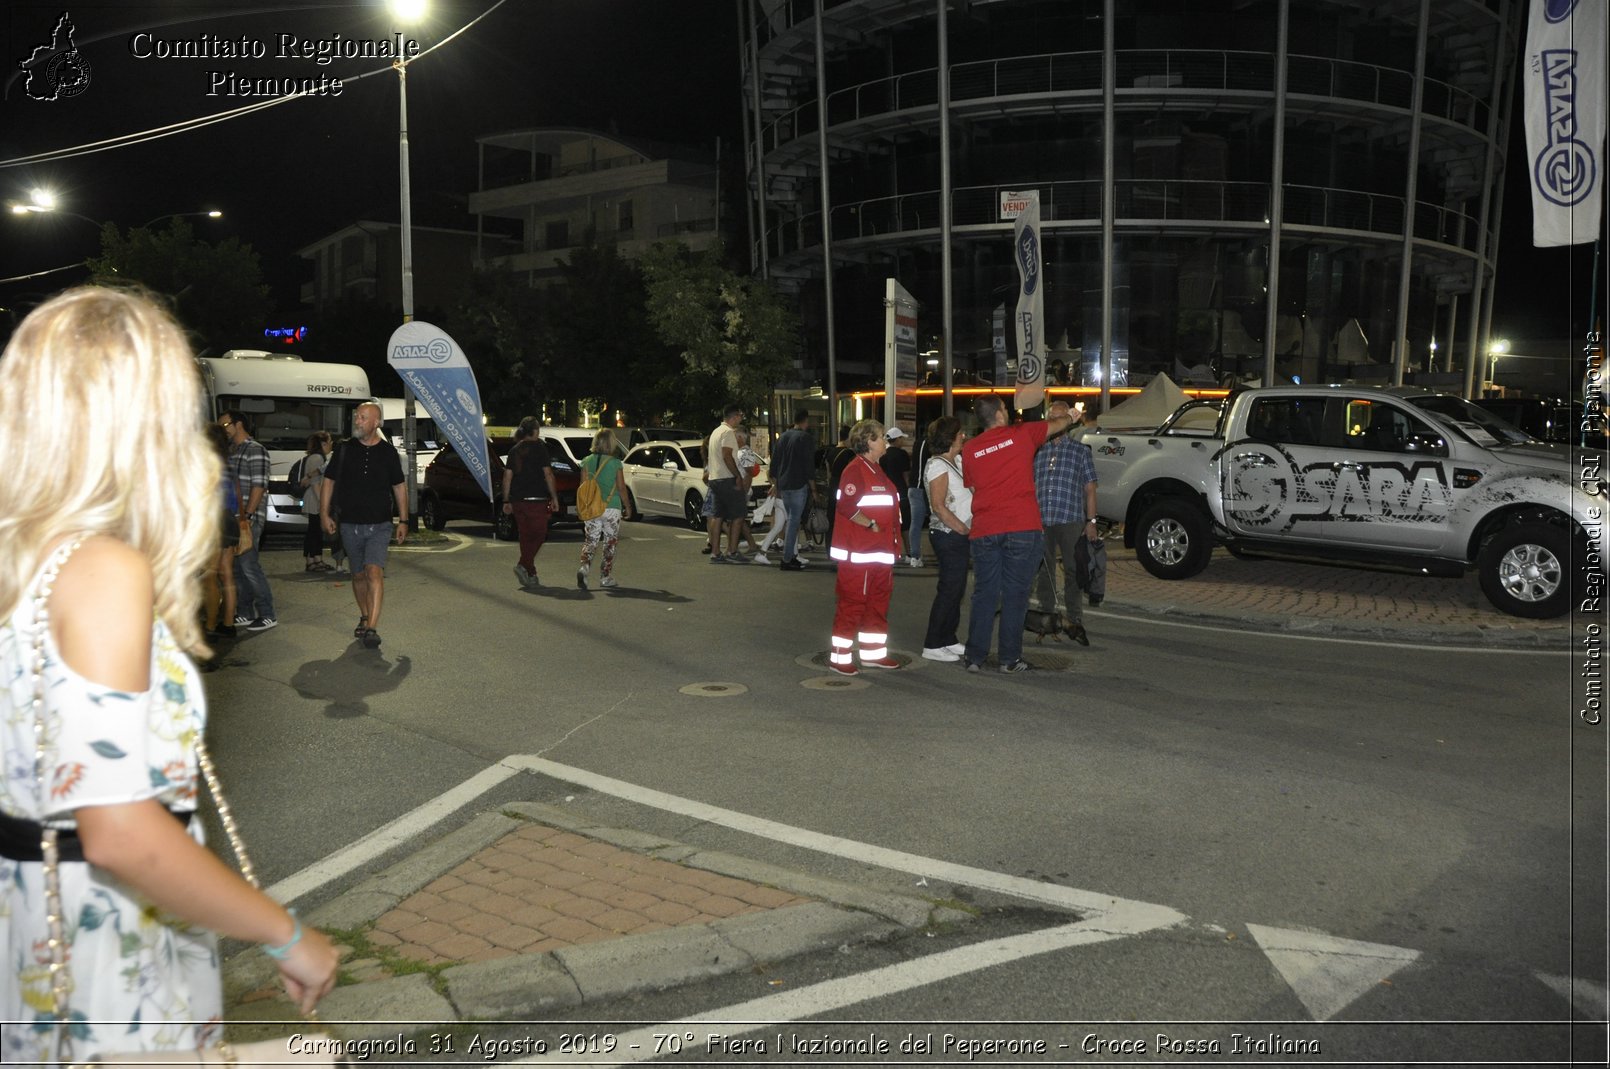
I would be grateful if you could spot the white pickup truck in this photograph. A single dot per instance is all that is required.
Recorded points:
(1393, 478)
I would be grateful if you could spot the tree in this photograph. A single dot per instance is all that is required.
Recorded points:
(498, 322)
(217, 290)
(604, 349)
(735, 333)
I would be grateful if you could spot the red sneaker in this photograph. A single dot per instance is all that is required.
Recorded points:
(881, 662)
(843, 669)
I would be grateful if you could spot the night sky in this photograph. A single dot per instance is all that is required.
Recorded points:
(289, 174)
(660, 69)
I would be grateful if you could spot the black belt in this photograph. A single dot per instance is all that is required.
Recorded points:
(19, 839)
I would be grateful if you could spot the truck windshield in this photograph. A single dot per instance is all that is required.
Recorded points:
(284, 423)
(1459, 412)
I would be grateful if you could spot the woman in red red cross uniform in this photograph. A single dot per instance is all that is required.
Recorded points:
(866, 540)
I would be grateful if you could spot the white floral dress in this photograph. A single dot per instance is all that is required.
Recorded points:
(141, 980)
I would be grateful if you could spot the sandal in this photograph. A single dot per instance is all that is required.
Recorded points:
(363, 625)
(371, 638)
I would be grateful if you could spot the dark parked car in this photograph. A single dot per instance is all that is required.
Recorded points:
(451, 492)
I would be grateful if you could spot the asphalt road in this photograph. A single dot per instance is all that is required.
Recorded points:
(1443, 805)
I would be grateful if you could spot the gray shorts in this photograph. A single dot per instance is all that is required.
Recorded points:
(366, 544)
(730, 501)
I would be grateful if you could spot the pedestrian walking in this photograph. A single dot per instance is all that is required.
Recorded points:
(529, 495)
(111, 905)
(310, 482)
(603, 465)
(952, 504)
(1065, 486)
(842, 454)
(1005, 537)
(218, 580)
(363, 481)
(896, 463)
(866, 540)
(917, 497)
(249, 467)
(749, 464)
(793, 466)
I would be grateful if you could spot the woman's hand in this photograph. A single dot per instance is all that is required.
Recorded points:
(308, 972)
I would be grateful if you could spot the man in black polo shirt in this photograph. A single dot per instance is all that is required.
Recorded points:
(363, 480)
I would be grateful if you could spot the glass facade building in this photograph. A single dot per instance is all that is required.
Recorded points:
(1311, 186)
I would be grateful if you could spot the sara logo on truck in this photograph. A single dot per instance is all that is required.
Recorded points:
(1263, 486)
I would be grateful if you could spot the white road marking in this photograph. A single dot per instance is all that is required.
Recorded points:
(829, 995)
(459, 542)
(1590, 999)
(390, 835)
(1430, 646)
(1326, 973)
(1117, 914)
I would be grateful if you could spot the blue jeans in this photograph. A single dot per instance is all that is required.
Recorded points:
(919, 517)
(1003, 570)
(255, 599)
(794, 505)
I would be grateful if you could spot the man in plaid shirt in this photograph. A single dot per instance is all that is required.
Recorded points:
(1065, 485)
(248, 466)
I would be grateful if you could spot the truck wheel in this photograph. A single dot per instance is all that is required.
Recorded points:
(1525, 570)
(1172, 539)
(693, 509)
(430, 513)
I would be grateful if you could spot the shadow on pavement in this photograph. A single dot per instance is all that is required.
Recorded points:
(632, 593)
(350, 679)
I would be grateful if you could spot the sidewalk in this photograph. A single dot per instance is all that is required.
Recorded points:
(1324, 600)
(535, 909)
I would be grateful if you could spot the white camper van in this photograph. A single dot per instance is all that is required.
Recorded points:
(286, 399)
(427, 442)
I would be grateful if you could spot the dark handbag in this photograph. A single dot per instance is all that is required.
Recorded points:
(1090, 568)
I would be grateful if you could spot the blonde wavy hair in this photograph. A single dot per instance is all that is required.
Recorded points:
(101, 402)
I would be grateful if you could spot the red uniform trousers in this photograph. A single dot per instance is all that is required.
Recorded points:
(863, 611)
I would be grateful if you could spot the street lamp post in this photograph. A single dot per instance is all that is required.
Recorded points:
(1495, 350)
(407, 11)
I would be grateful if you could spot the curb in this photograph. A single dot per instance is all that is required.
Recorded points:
(523, 985)
(1556, 637)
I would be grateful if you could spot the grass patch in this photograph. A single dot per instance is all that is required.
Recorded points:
(394, 963)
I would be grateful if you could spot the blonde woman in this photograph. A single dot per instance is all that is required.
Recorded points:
(99, 564)
(604, 466)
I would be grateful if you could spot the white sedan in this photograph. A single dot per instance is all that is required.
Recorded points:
(667, 479)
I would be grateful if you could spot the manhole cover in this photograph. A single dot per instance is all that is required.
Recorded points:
(835, 683)
(819, 660)
(714, 690)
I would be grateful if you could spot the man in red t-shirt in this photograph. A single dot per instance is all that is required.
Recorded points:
(1006, 537)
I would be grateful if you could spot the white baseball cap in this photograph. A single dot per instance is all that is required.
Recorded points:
(894, 432)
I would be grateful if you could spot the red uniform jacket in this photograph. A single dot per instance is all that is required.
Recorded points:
(864, 488)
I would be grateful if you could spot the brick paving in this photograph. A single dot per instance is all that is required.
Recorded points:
(540, 889)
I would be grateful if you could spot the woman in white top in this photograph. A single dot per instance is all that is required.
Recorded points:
(99, 592)
(950, 516)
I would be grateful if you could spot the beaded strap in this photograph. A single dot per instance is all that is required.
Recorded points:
(55, 938)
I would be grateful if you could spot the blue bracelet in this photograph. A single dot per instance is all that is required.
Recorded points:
(283, 951)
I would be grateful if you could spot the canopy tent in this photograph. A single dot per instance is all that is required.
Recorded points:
(1147, 410)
